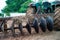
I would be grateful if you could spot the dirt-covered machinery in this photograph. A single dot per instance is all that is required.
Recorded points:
(36, 17)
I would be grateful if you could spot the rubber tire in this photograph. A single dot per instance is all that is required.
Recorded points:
(30, 14)
(30, 10)
(57, 18)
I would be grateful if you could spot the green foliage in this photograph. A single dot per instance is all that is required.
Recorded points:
(8, 14)
(1, 15)
(14, 6)
(24, 6)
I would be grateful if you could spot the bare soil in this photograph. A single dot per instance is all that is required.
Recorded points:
(54, 35)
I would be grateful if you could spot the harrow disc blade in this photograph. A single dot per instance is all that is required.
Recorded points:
(5, 27)
(43, 24)
(1, 26)
(28, 28)
(49, 23)
(35, 25)
(12, 28)
(0, 29)
(20, 28)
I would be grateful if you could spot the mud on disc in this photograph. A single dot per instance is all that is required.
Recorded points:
(12, 28)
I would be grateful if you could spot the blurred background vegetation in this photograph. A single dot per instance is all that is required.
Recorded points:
(19, 6)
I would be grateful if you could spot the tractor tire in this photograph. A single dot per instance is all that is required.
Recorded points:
(29, 14)
(57, 18)
(30, 11)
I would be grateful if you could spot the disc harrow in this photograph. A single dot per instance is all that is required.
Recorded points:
(43, 23)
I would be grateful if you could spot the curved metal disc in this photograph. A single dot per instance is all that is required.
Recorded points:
(49, 23)
(12, 28)
(28, 28)
(35, 25)
(20, 28)
(43, 24)
(1, 24)
(5, 27)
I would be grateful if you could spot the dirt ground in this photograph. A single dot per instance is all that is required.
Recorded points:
(54, 35)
